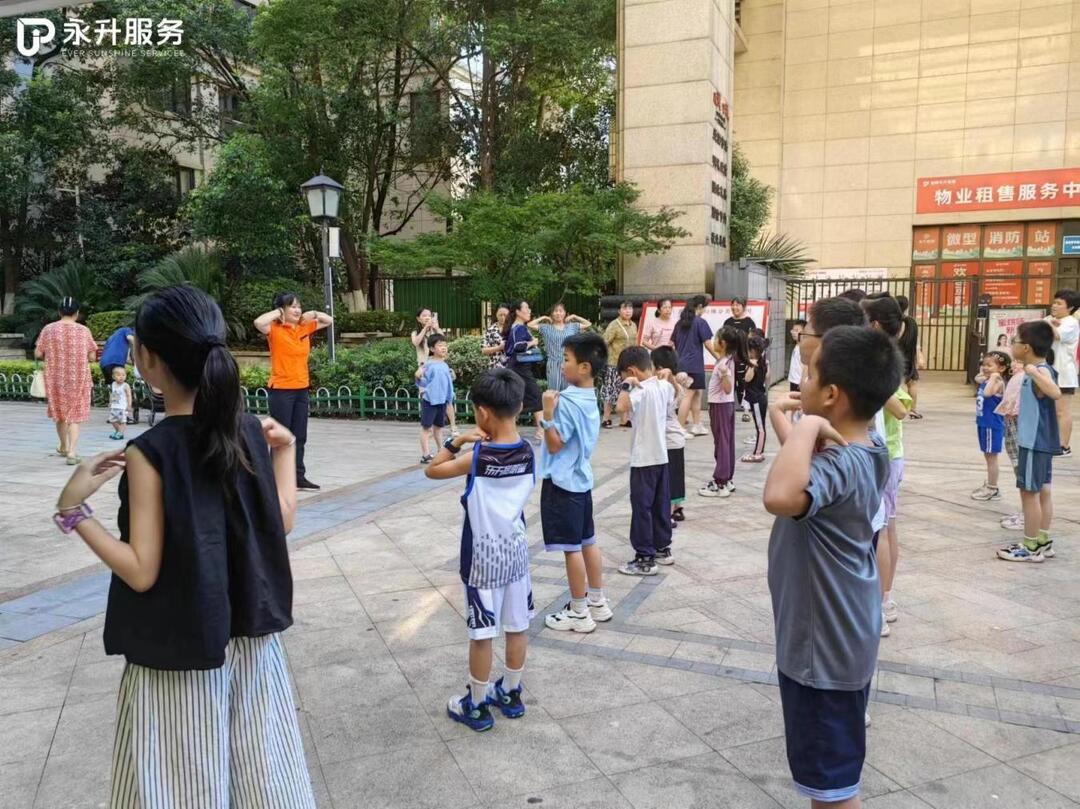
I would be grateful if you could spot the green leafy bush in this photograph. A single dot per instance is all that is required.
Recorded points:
(102, 324)
(254, 376)
(254, 297)
(22, 367)
(467, 362)
(9, 324)
(396, 323)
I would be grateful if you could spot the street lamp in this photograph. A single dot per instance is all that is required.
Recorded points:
(323, 197)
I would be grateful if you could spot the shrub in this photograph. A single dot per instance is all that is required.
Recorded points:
(254, 376)
(467, 362)
(253, 297)
(396, 323)
(22, 367)
(386, 363)
(9, 324)
(102, 324)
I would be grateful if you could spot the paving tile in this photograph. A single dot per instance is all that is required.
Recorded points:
(91, 681)
(1055, 768)
(965, 693)
(26, 626)
(38, 680)
(998, 785)
(597, 684)
(905, 684)
(599, 793)
(700, 782)
(629, 740)
(422, 777)
(907, 748)
(342, 731)
(27, 735)
(730, 717)
(535, 753)
(660, 682)
(896, 800)
(19, 782)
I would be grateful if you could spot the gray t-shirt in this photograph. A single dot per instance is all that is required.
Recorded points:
(823, 573)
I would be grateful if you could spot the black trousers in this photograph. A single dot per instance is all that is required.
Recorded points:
(650, 509)
(290, 407)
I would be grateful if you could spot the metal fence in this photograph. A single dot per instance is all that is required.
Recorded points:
(943, 310)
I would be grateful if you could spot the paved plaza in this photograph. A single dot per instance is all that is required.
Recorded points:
(673, 704)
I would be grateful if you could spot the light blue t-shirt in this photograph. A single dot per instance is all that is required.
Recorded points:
(1037, 424)
(436, 381)
(823, 574)
(578, 423)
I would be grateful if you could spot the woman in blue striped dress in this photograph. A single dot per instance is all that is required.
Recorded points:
(555, 328)
(201, 587)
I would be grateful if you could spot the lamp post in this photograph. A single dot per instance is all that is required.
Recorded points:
(323, 197)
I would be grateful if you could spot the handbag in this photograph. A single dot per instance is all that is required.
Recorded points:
(37, 384)
(532, 355)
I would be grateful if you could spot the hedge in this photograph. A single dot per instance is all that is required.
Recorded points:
(396, 323)
(251, 298)
(103, 324)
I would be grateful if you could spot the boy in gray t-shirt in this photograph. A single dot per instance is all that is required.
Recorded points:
(825, 488)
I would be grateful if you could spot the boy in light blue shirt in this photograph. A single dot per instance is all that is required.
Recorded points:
(571, 425)
(436, 383)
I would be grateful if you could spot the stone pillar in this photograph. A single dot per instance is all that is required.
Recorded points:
(673, 132)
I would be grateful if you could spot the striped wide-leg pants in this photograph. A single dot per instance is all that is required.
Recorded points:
(226, 738)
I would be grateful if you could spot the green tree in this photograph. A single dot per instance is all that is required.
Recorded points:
(751, 201)
(515, 246)
(39, 299)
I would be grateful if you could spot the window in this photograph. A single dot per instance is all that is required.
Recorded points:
(186, 180)
(229, 105)
(247, 6)
(174, 96)
(425, 120)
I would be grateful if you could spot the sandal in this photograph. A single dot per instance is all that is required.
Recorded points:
(606, 424)
(73, 460)
(678, 515)
(626, 424)
(751, 458)
(915, 414)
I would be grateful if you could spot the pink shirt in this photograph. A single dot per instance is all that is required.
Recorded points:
(716, 391)
(659, 333)
(1010, 399)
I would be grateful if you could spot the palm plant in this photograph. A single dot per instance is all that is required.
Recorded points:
(782, 254)
(193, 265)
(39, 298)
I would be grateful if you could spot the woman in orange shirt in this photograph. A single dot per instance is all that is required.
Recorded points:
(288, 331)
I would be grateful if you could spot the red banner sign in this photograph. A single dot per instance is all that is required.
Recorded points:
(925, 244)
(1041, 239)
(999, 268)
(1038, 291)
(998, 192)
(1040, 268)
(1003, 291)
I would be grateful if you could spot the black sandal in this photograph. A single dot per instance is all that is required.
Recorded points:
(606, 424)
(678, 515)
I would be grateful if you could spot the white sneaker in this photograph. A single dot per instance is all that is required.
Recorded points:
(1013, 523)
(866, 719)
(698, 429)
(600, 611)
(978, 491)
(710, 489)
(730, 486)
(750, 440)
(567, 620)
(890, 611)
(986, 493)
(886, 630)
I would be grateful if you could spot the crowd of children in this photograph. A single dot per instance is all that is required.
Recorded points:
(832, 488)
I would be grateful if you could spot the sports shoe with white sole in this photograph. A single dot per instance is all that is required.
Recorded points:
(639, 566)
(567, 620)
(1019, 553)
(664, 557)
(890, 611)
(698, 429)
(866, 719)
(886, 630)
(987, 493)
(1014, 522)
(730, 486)
(477, 717)
(600, 611)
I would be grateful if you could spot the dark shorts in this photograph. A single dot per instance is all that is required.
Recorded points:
(826, 739)
(991, 439)
(676, 460)
(566, 518)
(697, 381)
(1033, 470)
(1068, 391)
(432, 415)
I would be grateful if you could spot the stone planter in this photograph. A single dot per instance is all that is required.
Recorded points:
(354, 339)
(247, 359)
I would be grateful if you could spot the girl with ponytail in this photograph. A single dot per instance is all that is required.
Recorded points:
(201, 581)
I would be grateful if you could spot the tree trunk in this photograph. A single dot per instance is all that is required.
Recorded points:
(354, 266)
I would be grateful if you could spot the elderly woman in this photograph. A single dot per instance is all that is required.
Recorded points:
(554, 328)
(68, 348)
(288, 329)
(494, 346)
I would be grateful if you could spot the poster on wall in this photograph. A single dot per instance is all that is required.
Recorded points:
(1003, 323)
(1038, 292)
(1003, 241)
(960, 242)
(925, 244)
(715, 313)
(1041, 239)
(1003, 291)
(1005, 191)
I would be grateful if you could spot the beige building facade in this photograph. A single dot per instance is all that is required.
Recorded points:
(848, 108)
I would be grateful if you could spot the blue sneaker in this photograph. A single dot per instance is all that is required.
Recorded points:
(509, 702)
(477, 717)
(1020, 553)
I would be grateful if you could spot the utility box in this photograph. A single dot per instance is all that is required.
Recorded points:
(756, 282)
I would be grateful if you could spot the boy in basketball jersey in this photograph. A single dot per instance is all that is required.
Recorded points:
(500, 475)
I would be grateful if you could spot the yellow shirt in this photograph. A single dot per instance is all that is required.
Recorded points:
(619, 335)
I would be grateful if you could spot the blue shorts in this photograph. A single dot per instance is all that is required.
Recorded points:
(566, 518)
(432, 415)
(991, 439)
(826, 739)
(1033, 470)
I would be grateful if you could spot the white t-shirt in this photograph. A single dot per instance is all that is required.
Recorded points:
(881, 518)
(794, 374)
(674, 433)
(649, 403)
(1065, 351)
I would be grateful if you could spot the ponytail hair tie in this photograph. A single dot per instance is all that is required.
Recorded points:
(212, 341)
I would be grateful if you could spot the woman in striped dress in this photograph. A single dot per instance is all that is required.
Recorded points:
(554, 328)
(201, 586)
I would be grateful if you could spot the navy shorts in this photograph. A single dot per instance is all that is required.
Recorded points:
(826, 739)
(432, 415)
(566, 518)
(1033, 470)
(697, 381)
(991, 439)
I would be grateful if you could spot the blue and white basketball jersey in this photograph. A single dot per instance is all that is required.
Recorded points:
(494, 549)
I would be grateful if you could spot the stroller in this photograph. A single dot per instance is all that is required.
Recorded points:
(157, 405)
